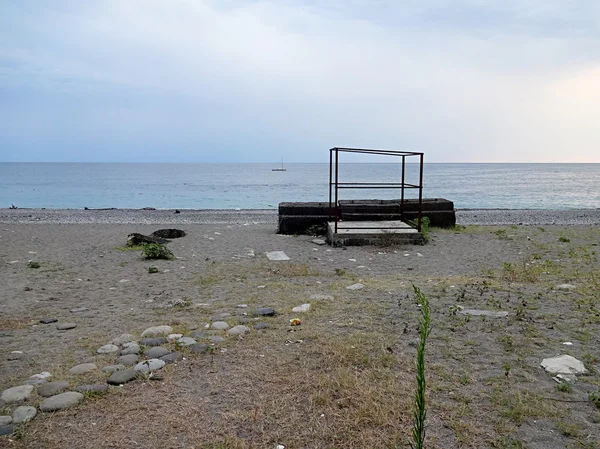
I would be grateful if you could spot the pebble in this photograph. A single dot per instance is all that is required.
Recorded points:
(83, 368)
(113, 368)
(260, 326)
(66, 326)
(302, 308)
(8, 429)
(157, 331)
(15, 355)
(122, 339)
(319, 297)
(79, 309)
(220, 325)
(238, 330)
(156, 352)
(153, 341)
(356, 286)
(48, 320)
(52, 388)
(61, 401)
(16, 394)
(149, 365)
(5, 420)
(39, 378)
(216, 339)
(107, 349)
(565, 287)
(173, 337)
(220, 316)
(122, 377)
(198, 334)
(129, 359)
(186, 341)
(242, 306)
(199, 347)
(319, 242)
(92, 388)
(477, 312)
(132, 348)
(264, 311)
(23, 414)
(172, 357)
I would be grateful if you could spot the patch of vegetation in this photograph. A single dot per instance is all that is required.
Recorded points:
(564, 239)
(317, 230)
(32, 264)
(293, 270)
(564, 387)
(501, 233)
(152, 269)
(157, 251)
(567, 429)
(340, 272)
(425, 222)
(508, 443)
(594, 398)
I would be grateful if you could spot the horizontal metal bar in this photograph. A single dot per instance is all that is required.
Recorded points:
(376, 187)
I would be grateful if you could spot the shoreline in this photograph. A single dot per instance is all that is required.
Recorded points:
(491, 217)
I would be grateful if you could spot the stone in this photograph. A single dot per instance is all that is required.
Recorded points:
(319, 297)
(79, 309)
(153, 341)
(243, 320)
(238, 330)
(277, 255)
(156, 352)
(565, 287)
(261, 326)
(107, 349)
(173, 337)
(40, 378)
(48, 320)
(52, 388)
(5, 420)
(83, 368)
(15, 355)
(149, 365)
(356, 286)
(136, 239)
(157, 331)
(8, 429)
(113, 368)
(17, 394)
(66, 326)
(122, 339)
(220, 316)
(199, 348)
(216, 339)
(172, 357)
(319, 242)
(93, 388)
(198, 334)
(133, 348)
(23, 414)
(128, 360)
(61, 401)
(264, 311)
(301, 309)
(169, 233)
(488, 313)
(122, 377)
(186, 341)
(563, 364)
(220, 325)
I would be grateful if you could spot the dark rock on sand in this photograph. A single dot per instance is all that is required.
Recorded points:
(156, 352)
(264, 311)
(48, 320)
(52, 388)
(61, 401)
(172, 357)
(136, 239)
(169, 233)
(198, 334)
(66, 326)
(200, 347)
(127, 360)
(122, 377)
(157, 341)
(8, 429)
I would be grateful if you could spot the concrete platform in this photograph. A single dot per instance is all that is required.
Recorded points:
(358, 233)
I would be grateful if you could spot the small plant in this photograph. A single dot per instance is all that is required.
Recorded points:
(564, 239)
(506, 367)
(594, 398)
(542, 229)
(420, 412)
(32, 264)
(152, 269)
(157, 251)
(340, 272)
(564, 387)
(425, 222)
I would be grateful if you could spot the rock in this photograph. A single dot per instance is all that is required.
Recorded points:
(172, 357)
(302, 308)
(61, 401)
(122, 377)
(83, 368)
(149, 365)
(356, 286)
(277, 255)
(128, 360)
(15, 355)
(220, 325)
(238, 330)
(48, 320)
(216, 339)
(319, 297)
(198, 334)
(488, 313)
(153, 341)
(264, 311)
(156, 353)
(136, 239)
(565, 287)
(66, 326)
(52, 388)
(157, 331)
(564, 364)
(8, 429)
(198, 348)
(173, 337)
(94, 388)
(23, 414)
(40, 378)
(132, 348)
(319, 242)
(243, 320)
(261, 326)
(122, 339)
(17, 394)
(220, 316)
(242, 306)
(186, 341)
(5, 420)
(79, 309)
(107, 349)
(169, 233)
(113, 368)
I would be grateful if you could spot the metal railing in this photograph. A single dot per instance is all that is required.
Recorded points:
(335, 185)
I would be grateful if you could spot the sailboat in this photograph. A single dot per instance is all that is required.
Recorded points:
(279, 169)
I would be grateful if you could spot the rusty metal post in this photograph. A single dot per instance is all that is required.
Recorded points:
(337, 212)
(402, 190)
(330, 181)
(420, 193)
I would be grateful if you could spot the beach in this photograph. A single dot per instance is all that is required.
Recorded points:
(344, 377)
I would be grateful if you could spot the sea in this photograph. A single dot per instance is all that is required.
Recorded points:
(257, 186)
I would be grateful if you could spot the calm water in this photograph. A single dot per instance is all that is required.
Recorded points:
(255, 186)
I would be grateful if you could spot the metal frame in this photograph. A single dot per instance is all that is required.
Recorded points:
(335, 185)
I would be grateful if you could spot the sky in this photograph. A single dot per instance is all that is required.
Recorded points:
(255, 81)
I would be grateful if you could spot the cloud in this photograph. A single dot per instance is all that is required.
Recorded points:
(470, 80)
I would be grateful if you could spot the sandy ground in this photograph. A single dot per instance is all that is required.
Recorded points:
(486, 387)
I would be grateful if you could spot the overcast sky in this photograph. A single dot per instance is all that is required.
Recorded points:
(253, 81)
